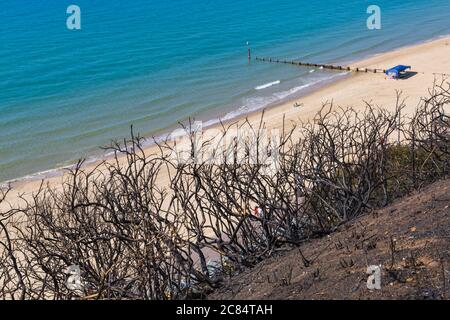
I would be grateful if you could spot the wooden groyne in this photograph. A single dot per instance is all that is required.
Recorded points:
(324, 66)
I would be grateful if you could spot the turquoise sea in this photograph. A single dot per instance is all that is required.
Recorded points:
(64, 93)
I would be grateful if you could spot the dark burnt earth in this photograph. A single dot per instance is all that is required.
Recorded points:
(409, 239)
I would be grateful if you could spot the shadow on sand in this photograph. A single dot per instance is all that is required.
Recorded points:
(407, 75)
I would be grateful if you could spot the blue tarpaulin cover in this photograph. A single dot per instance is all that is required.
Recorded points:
(395, 71)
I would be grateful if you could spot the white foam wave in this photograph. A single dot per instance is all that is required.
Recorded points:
(256, 103)
(268, 85)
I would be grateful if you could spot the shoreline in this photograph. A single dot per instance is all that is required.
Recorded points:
(149, 140)
(426, 58)
(93, 158)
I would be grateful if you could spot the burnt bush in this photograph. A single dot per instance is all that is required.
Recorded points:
(173, 224)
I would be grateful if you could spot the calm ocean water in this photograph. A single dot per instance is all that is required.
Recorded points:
(154, 63)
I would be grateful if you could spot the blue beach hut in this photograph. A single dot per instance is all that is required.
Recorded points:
(397, 71)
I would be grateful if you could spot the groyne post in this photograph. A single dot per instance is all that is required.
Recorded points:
(324, 66)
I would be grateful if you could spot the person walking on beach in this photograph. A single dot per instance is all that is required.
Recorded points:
(258, 212)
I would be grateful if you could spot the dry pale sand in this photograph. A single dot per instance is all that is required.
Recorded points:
(426, 59)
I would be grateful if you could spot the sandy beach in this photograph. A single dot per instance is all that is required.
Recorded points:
(430, 60)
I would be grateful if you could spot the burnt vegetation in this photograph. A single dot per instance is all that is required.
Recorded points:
(133, 237)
